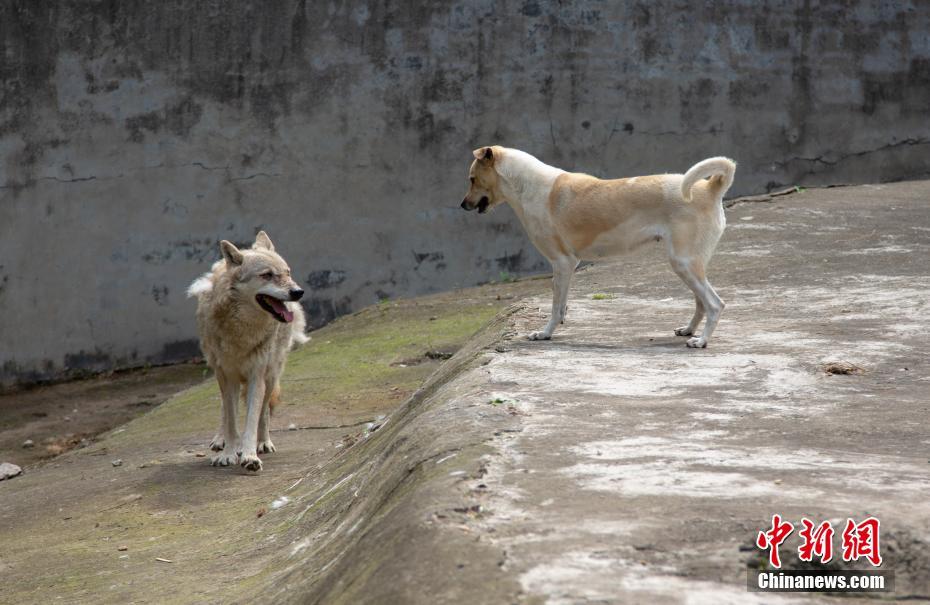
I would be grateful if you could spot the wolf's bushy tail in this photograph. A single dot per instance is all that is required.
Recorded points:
(299, 329)
(721, 168)
(201, 285)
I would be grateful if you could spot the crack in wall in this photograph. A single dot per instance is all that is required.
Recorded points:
(822, 160)
(83, 179)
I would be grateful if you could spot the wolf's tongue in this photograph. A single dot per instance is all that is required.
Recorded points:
(281, 309)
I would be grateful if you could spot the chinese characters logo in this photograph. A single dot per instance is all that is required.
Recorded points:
(860, 540)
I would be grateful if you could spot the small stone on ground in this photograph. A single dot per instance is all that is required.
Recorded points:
(8, 470)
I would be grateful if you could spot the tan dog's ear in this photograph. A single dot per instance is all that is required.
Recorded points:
(231, 253)
(484, 154)
(263, 241)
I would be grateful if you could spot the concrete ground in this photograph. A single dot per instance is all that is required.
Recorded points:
(642, 470)
(610, 465)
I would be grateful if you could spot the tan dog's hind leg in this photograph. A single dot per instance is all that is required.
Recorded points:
(256, 402)
(692, 326)
(265, 446)
(562, 270)
(691, 271)
(229, 391)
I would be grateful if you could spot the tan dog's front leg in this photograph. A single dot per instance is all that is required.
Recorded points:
(248, 456)
(692, 326)
(229, 391)
(564, 309)
(562, 270)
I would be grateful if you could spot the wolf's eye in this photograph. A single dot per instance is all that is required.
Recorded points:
(267, 275)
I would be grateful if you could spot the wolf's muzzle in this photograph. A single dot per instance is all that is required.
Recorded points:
(296, 294)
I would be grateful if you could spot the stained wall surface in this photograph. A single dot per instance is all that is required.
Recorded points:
(136, 135)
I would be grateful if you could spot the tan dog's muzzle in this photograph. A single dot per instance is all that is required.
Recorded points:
(482, 205)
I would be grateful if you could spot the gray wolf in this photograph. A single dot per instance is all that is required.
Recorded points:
(248, 318)
(571, 217)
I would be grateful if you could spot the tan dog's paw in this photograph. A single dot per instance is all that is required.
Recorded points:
(697, 343)
(218, 443)
(684, 331)
(540, 336)
(266, 446)
(225, 458)
(250, 462)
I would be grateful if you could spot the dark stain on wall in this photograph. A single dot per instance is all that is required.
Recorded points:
(432, 257)
(325, 278)
(160, 295)
(200, 250)
(515, 263)
(908, 91)
(696, 101)
(88, 361)
(188, 348)
(177, 118)
(320, 311)
(511, 263)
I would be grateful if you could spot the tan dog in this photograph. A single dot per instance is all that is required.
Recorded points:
(248, 319)
(571, 217)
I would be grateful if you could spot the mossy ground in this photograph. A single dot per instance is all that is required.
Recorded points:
(57, 417)
(62, 526)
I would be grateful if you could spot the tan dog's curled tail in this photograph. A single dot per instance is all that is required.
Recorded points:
(720, 167)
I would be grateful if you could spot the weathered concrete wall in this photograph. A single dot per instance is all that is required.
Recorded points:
(135, 135)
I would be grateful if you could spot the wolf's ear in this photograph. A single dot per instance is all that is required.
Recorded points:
(263, 241)
(484, 154)
(231, 253)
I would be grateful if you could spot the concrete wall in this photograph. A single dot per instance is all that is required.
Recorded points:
(135, 135)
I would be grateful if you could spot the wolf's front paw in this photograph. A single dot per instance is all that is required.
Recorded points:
(684, 331)
(218, 443)
(697, 343)
(225, 458)
(540, 336)
(250, 462)
(265, 446)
